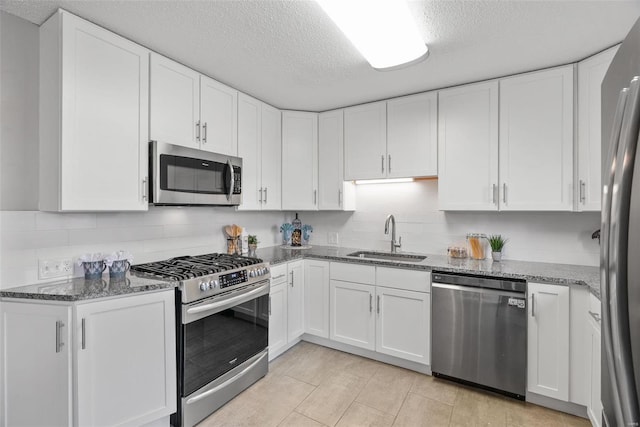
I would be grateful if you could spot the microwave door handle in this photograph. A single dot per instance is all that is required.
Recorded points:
(231, 179)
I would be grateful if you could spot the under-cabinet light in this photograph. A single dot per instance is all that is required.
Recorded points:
(383, 31)
(383, 181)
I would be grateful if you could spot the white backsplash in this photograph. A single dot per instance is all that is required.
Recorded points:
(559, 237)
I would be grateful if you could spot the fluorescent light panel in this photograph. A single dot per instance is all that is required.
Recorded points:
(382, 30)
(383, 181)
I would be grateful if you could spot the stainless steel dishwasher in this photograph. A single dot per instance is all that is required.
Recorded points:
(479, 331)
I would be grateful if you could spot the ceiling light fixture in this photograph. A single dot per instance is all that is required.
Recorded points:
(382, 30)
(383, 181)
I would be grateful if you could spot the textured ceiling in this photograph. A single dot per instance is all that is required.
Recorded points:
(289, 54)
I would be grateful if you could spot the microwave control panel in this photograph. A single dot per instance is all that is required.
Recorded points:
(237, 183)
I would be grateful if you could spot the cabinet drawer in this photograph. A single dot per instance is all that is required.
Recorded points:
(278, 274)
(411, 280)
(353, 273)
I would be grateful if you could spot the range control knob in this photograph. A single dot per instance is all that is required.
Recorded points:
(203, 286)
(215, 284)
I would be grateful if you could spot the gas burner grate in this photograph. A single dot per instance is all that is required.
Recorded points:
(189, 267)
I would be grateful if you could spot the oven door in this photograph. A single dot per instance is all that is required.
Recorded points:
(221, 333)
(185, 176)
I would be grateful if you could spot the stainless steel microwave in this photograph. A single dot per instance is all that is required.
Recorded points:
(185, 176)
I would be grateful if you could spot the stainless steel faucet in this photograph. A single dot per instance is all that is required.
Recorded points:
(394, 245)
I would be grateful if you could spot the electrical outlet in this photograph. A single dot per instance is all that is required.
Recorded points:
(49, 268)
(332, 238)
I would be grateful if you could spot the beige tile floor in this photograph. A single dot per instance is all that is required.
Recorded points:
(310, 385)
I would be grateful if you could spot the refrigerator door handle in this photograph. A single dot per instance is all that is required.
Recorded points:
(619, 342)
(604, 249)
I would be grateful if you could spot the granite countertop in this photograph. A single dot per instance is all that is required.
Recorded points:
(560, 274)
(79, 289)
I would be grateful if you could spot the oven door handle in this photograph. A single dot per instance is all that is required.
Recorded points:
(240, 374)
(217, 306)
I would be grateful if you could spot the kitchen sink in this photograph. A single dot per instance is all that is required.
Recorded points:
(387, 256)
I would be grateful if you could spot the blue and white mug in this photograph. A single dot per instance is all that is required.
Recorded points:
(93, 269)
(119, 268)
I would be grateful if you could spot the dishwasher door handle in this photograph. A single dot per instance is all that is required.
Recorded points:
(478, 290)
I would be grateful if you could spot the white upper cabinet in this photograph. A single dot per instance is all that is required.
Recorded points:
(94, 112)
(536, 141)
(365, 139)
(299, 160)
(334, 193)
(591, 71)
(260, 147)
(468, 147)
(192, 110)
(175, 103)
(412, 136)
(218, 117)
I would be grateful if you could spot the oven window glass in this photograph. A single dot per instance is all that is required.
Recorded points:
(218, 343)
(191, 175)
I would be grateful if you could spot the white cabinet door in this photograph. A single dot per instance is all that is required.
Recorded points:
(591, 71)
(36, 354)
(316, 297)
(594, 408)
(94, 119)
(295, 300)
(330, 160)
(402, 326)
(536, 141)
(548, 340)
(249, 135)
(299, 160)
(412, 136)
(352, 319)
(468, 147)
(277, 319)
(271, 149)
(365, 141)
(126, 360)
(175, 103)
(218, 117)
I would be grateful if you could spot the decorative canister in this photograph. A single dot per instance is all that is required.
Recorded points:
(296, 235)
(477, 245)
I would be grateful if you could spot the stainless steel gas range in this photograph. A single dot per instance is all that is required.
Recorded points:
(222, 316)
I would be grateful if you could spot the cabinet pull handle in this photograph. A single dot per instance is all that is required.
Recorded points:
(265, 194)
(144, 189)
(260, 195)
(315, 196)
(340, 197)
(382, 162)
(493, 194)
(595, 316)
(198, 131)
(84, 328)
(389, 165)
(582, 191)
(533, 305)
(59, 343)
(370, 303)
(204, 133)
(269, 305)
(277, 277)
(378, 304)
(291, 279)
(504, 192)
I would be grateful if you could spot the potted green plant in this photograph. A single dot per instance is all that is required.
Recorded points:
(252, 240)
(497, 243)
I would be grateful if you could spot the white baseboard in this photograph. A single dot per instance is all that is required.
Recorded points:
(558, 405)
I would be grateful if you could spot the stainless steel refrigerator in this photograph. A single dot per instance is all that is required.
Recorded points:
(620, 232)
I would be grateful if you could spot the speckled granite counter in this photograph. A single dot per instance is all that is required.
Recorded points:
(561, 274)
(79, 289)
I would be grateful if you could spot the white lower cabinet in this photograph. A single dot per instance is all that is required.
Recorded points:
(594, 406)
(316, 298)
(109, 362)
(352, 318)
(295, 300)
(548, 340)
(286, 318)
(277, 319)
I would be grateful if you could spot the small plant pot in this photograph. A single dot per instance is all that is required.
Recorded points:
(252, 250)
(497, 256)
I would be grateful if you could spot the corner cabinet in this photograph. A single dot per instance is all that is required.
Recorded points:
(468, 147)
(260, 147)
(548, 340)
(591, 72)
(94, 118)
(107, 362)
(316, 298)
(299, 160)
(536, 141)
